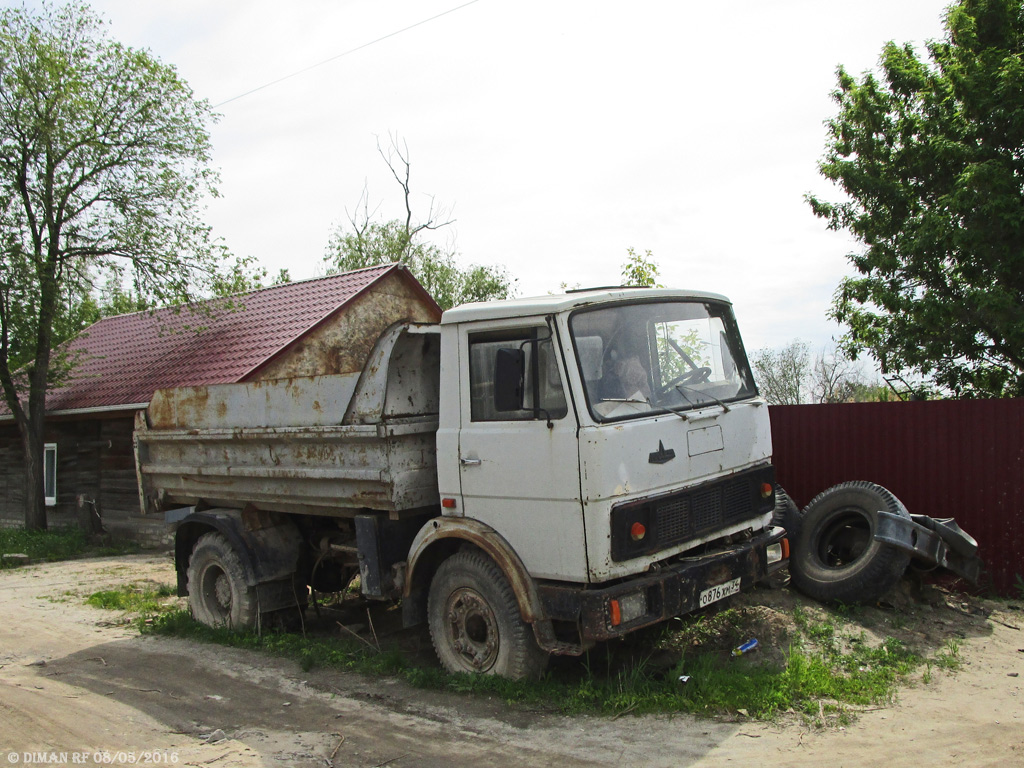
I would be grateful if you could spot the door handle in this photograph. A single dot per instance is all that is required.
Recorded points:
(469, 462)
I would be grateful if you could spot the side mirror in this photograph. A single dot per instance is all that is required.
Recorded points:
(509, 373)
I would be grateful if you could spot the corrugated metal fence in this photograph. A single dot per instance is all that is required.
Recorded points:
(944, 458)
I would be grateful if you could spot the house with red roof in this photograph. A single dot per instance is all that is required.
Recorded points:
(314, 327)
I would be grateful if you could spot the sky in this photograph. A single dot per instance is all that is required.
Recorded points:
(556, 134)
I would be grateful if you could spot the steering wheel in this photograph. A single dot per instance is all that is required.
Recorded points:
(693, 376)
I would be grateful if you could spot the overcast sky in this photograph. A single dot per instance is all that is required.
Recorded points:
(558, 133)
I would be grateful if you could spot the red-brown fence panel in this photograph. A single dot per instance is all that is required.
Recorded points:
(945, 458)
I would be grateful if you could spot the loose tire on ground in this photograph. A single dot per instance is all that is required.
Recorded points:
(835, 558)
(475, 623)
(218, 595)
(787, 514)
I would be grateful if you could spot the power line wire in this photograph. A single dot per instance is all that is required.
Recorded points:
(346, 53)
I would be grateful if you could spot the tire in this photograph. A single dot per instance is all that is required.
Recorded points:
(218, 595)
(787, 514)
(835, 558)
(475, 623)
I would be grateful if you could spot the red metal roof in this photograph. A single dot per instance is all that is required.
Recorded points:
(124, 359)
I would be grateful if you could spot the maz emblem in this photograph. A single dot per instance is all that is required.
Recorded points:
(661, 456)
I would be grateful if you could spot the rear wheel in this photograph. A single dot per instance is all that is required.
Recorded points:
(218, 595)
(475, 623)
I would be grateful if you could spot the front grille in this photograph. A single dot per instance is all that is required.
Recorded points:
(690, 514)
(672, 518)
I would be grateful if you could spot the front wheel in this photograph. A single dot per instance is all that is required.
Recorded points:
(218, 595)
(475, 623)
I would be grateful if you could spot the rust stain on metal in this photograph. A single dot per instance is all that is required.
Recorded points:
(344, 344)
(494, 546)
(160, 413)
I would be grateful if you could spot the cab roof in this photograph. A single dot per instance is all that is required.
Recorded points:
(563, 302)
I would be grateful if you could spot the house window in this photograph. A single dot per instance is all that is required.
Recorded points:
(50, 473)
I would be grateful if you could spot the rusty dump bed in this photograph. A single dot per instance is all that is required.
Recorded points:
(323, 445)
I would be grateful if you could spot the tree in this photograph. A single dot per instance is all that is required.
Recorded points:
(640, 269)
(245, 275)
(835, 378)
(931, 159)
(368, 243)
(104, 157)
(782, 374)
(789, 376)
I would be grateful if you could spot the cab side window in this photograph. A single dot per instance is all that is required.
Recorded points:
(514, 376)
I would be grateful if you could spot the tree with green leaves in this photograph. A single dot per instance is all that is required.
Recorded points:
(930, 156)
(104, 155)
(365, 242)
(783, 375)
(640, 269)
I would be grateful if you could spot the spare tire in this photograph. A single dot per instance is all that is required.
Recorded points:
(786, 514)
(836, 558)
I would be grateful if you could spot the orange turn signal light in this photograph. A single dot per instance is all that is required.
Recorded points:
(637, 531)
(766, 490)
(614, 611)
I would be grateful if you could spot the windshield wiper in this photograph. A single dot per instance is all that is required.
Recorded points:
(681, 387)
(661, 409)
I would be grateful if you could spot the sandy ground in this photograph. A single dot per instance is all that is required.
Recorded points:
(74, 681)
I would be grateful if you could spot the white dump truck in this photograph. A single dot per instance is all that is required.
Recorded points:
(529, 477)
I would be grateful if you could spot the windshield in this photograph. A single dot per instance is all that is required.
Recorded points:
(638, 359)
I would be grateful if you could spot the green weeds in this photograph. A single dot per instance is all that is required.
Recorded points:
(949, 659)
(131, 598)
(824, 673)
(56, 544)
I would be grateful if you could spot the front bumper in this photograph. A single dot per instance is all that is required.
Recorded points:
(672, 590)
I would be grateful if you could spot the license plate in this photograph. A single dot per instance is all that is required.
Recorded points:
(713, 594)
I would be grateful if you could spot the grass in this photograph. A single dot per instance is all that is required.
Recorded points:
(56, 544)
(135, 599)
(822, 674)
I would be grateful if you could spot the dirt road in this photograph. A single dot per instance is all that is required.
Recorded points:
(72, 681)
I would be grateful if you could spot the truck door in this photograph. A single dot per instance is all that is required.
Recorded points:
(518, 450)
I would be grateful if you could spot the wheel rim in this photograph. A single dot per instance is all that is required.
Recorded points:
(215, 587)
(845, 539)
(472, 629)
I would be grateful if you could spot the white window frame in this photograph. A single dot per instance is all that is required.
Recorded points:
(50, 473)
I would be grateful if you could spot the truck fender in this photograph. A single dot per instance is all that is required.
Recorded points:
(269, 549)
(488, 540)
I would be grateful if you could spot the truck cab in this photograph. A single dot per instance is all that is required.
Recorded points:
(615, 443)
